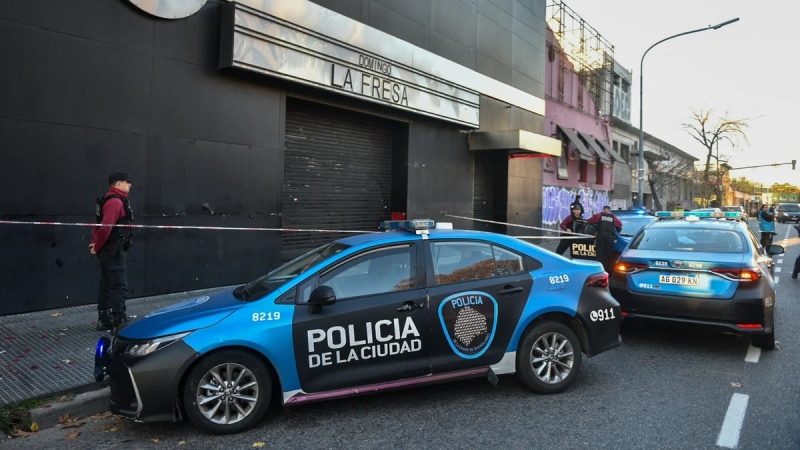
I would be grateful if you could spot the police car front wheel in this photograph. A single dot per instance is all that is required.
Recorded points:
(227, 392)
(549, 358)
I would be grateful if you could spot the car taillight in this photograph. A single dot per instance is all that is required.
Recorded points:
(749, 326)
(597, 280)
(627, 267)
(739, 274)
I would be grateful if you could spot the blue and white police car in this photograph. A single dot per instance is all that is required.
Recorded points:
(711, 273)
(363, 314)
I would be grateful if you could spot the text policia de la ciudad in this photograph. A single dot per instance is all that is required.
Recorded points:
(360, 342)
(370, 84)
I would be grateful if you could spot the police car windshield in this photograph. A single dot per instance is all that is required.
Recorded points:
(273, 280)
(694, 239)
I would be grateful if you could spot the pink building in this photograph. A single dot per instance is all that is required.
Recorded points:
(577, 107)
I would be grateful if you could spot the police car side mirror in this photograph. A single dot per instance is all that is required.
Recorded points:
(776, 250)
(321, 296)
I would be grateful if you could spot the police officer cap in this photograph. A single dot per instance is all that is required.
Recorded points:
(118, 176)
(607, 207)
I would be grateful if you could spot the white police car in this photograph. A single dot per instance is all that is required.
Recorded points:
(364, 314)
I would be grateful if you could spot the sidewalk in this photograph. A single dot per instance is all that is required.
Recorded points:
(49, 352)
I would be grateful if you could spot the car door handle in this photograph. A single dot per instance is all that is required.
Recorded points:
(409, 306)
(508, 290)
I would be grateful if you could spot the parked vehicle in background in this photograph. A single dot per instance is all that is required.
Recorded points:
(787, 212)
(736, 208)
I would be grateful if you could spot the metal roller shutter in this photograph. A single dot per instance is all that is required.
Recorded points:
(490, 186)
(337, 174)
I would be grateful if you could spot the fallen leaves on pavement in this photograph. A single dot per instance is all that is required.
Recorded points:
(154, 440)
(57, 314)
(258, 444)
(16, 432)
(736, 384)
(73, 435)
(68, 422)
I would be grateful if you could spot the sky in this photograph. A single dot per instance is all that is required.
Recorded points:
(743, 69)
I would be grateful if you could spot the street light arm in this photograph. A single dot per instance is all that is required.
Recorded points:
(641, 98)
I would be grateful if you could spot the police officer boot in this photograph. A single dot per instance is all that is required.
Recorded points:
(118, 320)
(104, 320)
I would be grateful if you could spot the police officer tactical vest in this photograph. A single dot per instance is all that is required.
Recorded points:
(117, 233)
(606, 224)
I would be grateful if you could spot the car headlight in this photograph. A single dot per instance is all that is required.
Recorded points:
(147, 347)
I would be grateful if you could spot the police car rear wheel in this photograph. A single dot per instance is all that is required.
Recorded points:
(549, 358)
(227, 392)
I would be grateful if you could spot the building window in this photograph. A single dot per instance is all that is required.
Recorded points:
(583, 172)
(625, 152)
(599, 171)
(563, 171)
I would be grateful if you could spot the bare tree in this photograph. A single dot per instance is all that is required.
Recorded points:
(709, 130)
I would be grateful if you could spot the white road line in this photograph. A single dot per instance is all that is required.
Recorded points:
(734, 418)
(777, 279)
(780, 261)
(753, 353)
(777, 269)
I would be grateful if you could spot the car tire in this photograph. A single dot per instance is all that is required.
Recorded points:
(233, 408)
(763, 341)
(549, 358)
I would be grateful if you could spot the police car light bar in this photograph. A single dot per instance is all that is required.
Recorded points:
(409, 225)
(698, 214)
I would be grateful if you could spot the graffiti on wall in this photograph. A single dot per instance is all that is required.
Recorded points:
(556, 201)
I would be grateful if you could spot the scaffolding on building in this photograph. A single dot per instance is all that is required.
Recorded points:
(591, 55)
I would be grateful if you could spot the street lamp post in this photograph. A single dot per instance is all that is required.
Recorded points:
(641, 96)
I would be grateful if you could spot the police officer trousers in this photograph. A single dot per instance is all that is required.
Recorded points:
(113, 289)
(602, 247)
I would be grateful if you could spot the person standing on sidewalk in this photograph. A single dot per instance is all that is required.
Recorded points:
(111, 244)
(607, 228)
(796, 269)
(766, 225)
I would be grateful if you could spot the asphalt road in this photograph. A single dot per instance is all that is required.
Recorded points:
(665, 387)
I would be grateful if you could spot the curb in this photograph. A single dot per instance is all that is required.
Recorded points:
(81, 406)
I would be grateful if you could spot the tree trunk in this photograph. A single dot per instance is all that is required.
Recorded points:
(656, 200)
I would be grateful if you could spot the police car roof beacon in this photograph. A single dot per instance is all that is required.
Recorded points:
(694, 216)
(419, 226)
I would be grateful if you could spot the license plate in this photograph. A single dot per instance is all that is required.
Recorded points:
(683, 280)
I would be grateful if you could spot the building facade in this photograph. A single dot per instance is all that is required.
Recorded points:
(578, 99)
(668, 181)
(260, 115)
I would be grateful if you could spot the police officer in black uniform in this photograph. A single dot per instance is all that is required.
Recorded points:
(607, 227)
(574, 224)
(111, 243)
(577, 204)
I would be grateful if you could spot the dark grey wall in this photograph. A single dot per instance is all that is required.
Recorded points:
(502, 39)
(440, 174)
(525, 182)
(97, 86)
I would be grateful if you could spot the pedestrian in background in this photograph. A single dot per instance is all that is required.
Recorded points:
(572, 223)
(111, 244)
(766, 225)
(607, 227)
(577, 204)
